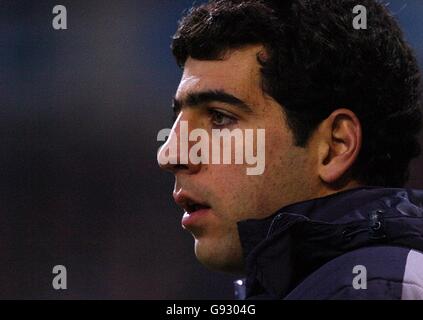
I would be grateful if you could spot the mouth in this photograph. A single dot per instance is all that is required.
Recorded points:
(189, 203)
(194, 209)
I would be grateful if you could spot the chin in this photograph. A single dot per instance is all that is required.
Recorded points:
(219, 257)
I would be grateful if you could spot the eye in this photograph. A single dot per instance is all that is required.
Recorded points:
(176, 112)
(221, 118)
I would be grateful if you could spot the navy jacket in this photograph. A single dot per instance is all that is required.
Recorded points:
(363, 243)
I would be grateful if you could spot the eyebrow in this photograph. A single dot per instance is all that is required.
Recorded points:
(196, 99)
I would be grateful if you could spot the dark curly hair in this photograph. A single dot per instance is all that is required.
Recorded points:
(317, 63)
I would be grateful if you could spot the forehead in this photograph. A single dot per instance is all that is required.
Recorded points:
(238, 73)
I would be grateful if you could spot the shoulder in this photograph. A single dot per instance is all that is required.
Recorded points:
(383, 272)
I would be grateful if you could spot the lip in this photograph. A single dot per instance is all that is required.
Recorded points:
(194, 218)
(182, 199)
(190, 218)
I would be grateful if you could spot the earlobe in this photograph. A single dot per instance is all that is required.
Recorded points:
(340, 145)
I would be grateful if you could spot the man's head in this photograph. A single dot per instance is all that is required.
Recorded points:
(340, 108)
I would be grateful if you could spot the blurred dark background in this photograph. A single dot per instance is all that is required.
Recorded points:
(79, 184)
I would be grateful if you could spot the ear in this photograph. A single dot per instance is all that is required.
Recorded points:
(340, 138)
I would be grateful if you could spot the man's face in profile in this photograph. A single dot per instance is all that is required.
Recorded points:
(216, 196)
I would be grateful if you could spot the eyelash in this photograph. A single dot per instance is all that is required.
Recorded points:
(217, 112)
(212, 113)
(175, 115)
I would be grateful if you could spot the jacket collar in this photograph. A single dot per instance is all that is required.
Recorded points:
(284, 248)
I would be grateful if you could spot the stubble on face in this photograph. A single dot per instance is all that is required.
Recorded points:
(232, 194)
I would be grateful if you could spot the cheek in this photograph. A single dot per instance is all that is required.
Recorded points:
(232, 189)
(226, 179)
(277, 153)
(240, 196)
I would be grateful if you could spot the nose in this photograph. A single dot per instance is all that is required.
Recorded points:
(173, 155)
